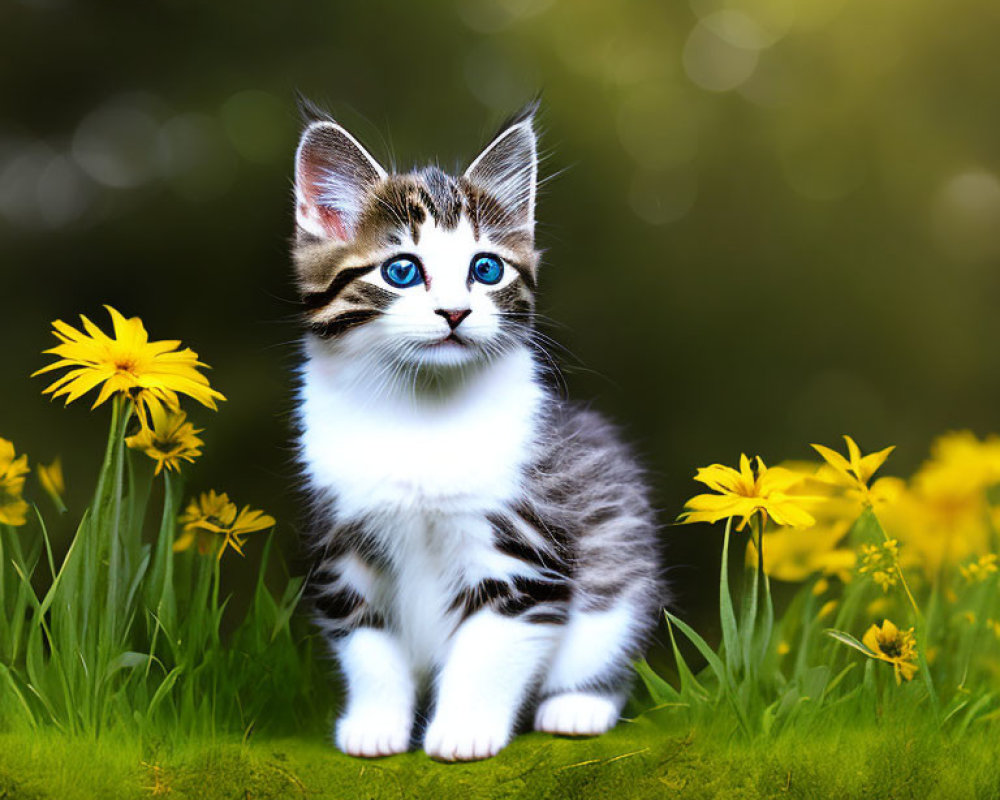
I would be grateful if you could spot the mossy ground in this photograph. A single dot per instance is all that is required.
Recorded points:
(638, 759)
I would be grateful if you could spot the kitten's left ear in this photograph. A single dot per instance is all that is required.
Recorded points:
(333, 173)
(508, 167)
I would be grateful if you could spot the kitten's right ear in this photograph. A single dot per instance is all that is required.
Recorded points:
(332, 175)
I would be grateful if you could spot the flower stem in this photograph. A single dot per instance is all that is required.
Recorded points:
(921, 626)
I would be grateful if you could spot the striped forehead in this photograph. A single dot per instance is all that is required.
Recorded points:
(407, 203)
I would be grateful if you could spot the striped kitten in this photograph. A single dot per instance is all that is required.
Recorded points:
(481, 544)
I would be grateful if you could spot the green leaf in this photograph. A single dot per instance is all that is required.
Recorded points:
(730, 632)
(6, 673)
(127, 660)
(716, 665)
(689, 684)
(850, 641)
(659, 690)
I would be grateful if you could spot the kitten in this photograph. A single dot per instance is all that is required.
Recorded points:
(479, 541)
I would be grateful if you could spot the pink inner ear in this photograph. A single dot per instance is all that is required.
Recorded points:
(309, 184)
(332, 222)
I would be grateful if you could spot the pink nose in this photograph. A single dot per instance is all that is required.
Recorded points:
(453, 317)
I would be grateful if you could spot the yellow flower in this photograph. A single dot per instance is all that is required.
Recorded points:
(944, 519)
(827, 609)
(794, 556)
(13, 509)
(784, 648)
(52, 481)
(994, 626)
(980, 569)
(879, 561)
(170, 439)
(899, 648)
(213, 522)
(854, 471)
(743, 493)
(152, 373)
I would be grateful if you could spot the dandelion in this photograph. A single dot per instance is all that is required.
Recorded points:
(827, 609)
(899, 648)
(13, 508)
(51, 479)
(212, 522)
(151, 373)
(879, 562)
(169, 440)
(744, 492)
(980, 569)
(784, 648)
(856, 470)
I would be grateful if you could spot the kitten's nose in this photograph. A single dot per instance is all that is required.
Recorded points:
(453, 316)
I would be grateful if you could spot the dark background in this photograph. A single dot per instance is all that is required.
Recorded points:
(769, 222)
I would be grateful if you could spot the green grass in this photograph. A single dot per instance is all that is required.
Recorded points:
(637, 759)
(125, 672)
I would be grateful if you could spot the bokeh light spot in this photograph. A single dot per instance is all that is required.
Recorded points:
(63, 192)
(722, 50)
(491, 16)
(966, 216)
(114, 144)
(771, 19)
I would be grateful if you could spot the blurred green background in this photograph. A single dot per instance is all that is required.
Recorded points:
(769, 222)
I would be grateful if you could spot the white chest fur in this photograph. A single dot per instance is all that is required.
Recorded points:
(385, 453)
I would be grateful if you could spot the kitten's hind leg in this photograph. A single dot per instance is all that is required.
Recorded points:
(588, 681)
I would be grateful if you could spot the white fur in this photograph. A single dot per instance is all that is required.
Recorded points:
(391, 454)
(381, 694)
(577, 714)
(590, 641)
(489, 670)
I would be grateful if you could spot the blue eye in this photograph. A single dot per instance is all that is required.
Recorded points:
(402, 272)
(486, 269)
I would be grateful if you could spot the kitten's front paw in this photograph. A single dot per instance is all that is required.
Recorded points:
(374, 732)
(576, 714)
(466, 737)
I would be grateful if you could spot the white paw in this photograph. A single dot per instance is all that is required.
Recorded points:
(576, 714)
(466, 737)
(374, 732)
